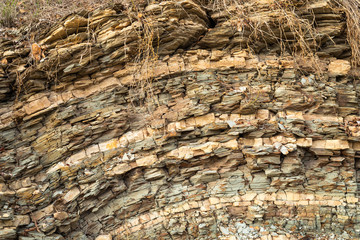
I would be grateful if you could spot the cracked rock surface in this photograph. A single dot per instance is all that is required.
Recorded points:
(206, 139)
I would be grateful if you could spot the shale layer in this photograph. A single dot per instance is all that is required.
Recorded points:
(174, 120)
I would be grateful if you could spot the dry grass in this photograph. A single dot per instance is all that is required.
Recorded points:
(304, 40)
(16, 13)
(148, 40)
(147, 51)
(8, 12)
(280, 24)
(352, 10)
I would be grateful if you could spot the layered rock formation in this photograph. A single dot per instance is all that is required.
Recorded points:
(174, 120)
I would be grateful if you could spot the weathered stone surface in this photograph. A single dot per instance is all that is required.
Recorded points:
(205, 139)
(339, 68)
(8, 233)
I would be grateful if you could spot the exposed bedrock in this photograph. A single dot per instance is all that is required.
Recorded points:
(174, 121)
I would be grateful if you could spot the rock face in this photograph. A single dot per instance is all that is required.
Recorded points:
(177, 122)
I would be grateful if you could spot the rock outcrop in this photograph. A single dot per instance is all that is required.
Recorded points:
(174, 120)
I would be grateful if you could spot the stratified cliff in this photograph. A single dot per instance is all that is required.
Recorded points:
(182, 120)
